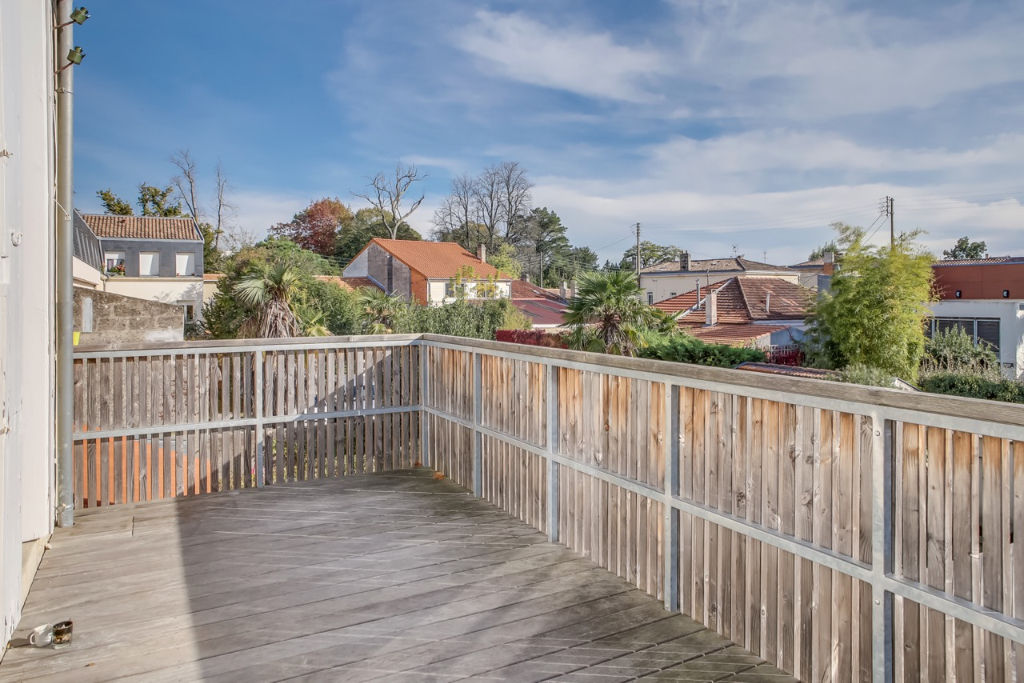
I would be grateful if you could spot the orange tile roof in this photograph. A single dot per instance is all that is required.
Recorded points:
(142, 227)
(743, 300)
(347, 283)
(734, 335)
(436, 260)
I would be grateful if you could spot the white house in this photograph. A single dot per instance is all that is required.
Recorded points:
(428, 272)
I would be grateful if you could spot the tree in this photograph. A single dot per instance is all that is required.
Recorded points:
(820, 252)
(270, 293)
(505, 260)
(316, 227)
(356, 233)
(456, 219)
(379, 311)
(386, 195)
(607, 314)
(965, 249)
(544, 244)
(154, 201)
(874, 314)
(651, 254)
(514, 191)
(113, 204)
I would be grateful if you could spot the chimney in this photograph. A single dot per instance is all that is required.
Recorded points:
(481, 252)
(829, 266)
(562, 289)
(698, 293)
(684, 260)
(768, 303)
(711, 307)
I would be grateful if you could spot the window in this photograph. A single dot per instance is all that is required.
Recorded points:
(114, 262)
(185, 264)
(190, 313)
(650, 298)
(149, 264)
(978, 329)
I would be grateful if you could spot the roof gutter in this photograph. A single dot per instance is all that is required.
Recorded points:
(64, 377)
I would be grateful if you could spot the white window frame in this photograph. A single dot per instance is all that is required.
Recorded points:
(117, 257)
(153, 266)
(190, 259)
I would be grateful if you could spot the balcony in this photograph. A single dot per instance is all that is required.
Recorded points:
(269, 510)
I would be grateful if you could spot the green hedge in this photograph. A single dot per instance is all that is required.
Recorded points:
(682, 348)
(973, 386)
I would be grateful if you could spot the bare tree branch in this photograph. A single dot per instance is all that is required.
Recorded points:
(386, 196)
(515, 197)
(224, 207)
(186, 182)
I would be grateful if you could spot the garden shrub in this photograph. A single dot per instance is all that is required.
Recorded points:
(682, 348)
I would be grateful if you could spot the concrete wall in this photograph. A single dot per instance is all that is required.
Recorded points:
(168, 250)
(112, 319)
(1010, 313)
(27, 339)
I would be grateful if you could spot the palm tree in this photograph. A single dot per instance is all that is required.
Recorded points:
(378, 311)
(270, 293)
(607, 314)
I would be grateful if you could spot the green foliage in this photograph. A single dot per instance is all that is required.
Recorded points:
(505, 260)
(356, 233)
(954, 350)
(607, 314)
(379, 312)
(683, 348)
(862, 374)
(154, 201)
(651, 254)
(965, 249)
(212, 257)
(874, 314)
(823, 249)
(973, 386)
(319, 307)
(478, 320)
(113, 204)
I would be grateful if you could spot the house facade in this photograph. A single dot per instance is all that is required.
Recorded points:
(146, 257)
(985, 298)
(758, 312)
(672, 278)
(431, 273)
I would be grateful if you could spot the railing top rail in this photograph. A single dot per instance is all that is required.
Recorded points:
(869, 398)
(228, 345)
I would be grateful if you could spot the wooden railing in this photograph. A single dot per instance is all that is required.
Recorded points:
(186, 419)
(840, 532)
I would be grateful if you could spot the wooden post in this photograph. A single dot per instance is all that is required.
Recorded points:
(552, 448)
(261, 475)
(882, 458)
(424, 352)
(478, 437)
(671, 514)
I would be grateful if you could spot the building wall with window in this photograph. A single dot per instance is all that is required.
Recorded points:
(999, 322)
(154, 258)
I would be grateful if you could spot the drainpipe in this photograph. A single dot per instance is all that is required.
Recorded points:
(65, 512)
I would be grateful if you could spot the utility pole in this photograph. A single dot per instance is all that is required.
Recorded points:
(889, 211)
(637, 259)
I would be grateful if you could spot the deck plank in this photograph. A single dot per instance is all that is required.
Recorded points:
(375, 577)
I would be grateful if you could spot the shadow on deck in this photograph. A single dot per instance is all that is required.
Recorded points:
(391, 577)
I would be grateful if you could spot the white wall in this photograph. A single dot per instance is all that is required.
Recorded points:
(26, 290)
(165, 289)
(1011, 326)
(436, 297)
(85, 275)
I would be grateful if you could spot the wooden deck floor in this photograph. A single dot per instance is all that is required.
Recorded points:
(381, 577)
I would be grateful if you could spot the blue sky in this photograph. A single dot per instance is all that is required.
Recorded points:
(714, 124)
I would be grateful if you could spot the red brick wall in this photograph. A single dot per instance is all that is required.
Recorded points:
(980, 282)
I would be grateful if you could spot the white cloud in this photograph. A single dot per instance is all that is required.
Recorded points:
(586, 63)
(257, 210)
